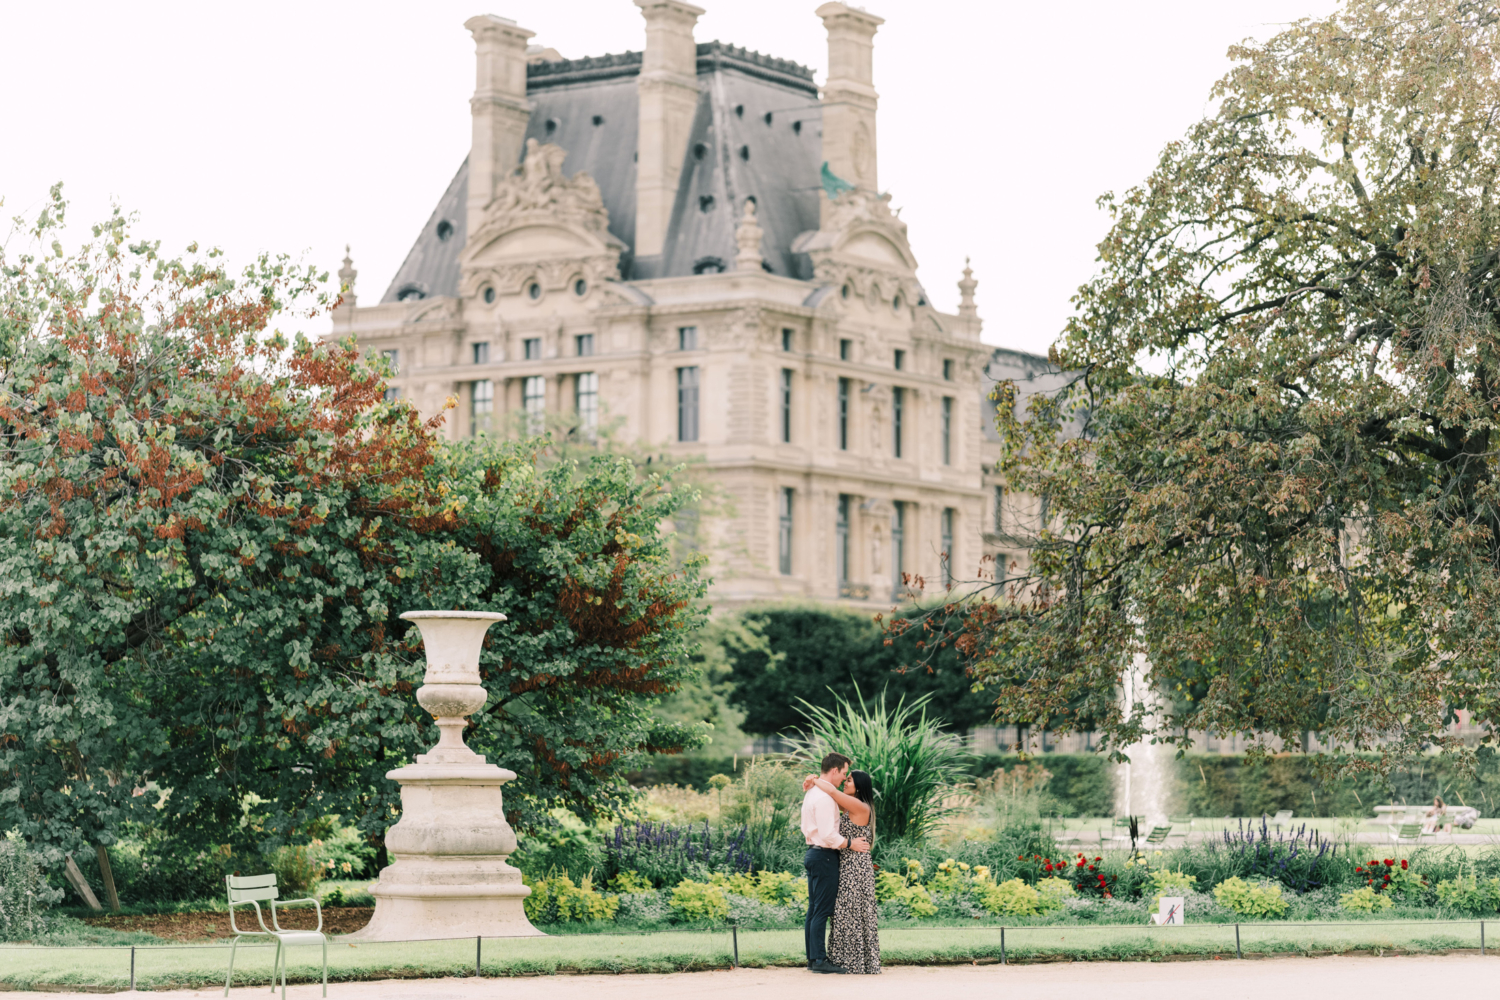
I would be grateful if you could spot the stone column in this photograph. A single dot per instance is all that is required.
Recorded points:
(849, 97)
(450, 878)
(499, 108)
(668, 90)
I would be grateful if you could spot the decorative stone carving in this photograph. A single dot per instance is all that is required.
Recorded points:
(748, 236)
(966, 307)
(539, 185)
(347, 274)
(450, 878)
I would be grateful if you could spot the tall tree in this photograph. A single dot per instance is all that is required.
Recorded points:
(1273, 471)
(208, 530)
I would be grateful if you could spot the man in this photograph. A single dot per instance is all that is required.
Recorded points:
(820, 827)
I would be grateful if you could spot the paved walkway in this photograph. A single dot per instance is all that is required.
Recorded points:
(1325, 978)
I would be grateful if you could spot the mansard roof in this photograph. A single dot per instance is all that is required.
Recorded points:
(757, 133)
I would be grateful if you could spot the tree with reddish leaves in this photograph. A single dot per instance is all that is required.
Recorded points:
(208, 530)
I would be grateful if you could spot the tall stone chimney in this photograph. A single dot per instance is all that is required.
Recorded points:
(668, 99)
(499, 107)
(849, 97)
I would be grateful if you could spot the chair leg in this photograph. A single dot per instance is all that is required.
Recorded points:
(275, 964)
(325, 966)
(230, 975)
(284, 957)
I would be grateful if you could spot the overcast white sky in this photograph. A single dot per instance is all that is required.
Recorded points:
(302, 126)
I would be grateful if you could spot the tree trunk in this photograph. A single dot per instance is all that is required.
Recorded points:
(108, 876)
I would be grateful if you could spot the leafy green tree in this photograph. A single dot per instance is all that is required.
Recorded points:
(1273, 472)
(819, 654)
(207, 532)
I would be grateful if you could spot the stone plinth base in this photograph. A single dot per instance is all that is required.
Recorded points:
(450, 878)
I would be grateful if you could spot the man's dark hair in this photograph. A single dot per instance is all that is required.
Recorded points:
(835, 760)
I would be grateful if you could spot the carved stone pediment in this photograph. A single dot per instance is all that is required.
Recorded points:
(862, 244)
(542, 225)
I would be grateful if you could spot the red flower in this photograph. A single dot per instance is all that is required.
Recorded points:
(1047, 866)
(1389, 863)
(1386, 877)
(1098, 859)
(1081, 885)
(1081, 862)
(1091, 867)
(1369, 881)
(1359, 868)
(1403, 864)
(1020, 857)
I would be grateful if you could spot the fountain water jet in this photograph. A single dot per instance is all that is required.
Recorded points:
(449, 877)
(1143, 786)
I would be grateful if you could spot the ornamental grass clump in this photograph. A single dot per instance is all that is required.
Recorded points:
(914, 764)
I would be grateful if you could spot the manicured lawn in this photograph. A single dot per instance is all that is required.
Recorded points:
(203, 965)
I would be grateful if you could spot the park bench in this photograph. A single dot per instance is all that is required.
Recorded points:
(252, 890)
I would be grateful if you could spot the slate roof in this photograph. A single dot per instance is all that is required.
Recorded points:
(757, 133)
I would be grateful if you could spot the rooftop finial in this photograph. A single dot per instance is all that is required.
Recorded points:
(966, 307)
(748, 235)
(347, 274)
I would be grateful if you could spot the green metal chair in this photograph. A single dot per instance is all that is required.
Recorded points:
(252, 890)
(1159, 835)
(1186, 820)
(1283, 816)
(1408, 833)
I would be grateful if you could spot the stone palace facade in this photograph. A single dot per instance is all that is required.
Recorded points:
(688, 245)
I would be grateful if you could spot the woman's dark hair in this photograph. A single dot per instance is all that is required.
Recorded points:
(864, 788)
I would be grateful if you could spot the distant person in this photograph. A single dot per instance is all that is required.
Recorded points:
(855, 942)
(820, 828)
(1436, 817)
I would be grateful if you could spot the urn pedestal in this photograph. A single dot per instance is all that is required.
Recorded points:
(450, 877)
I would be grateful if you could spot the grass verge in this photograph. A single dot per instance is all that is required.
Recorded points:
(199, 966)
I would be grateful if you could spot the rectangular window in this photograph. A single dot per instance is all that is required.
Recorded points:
(841, 543)
(481, 407)
(393, 357)
(784, 546)
(532, 348)
(947, 544)
(999, 510)
(583, 345)
(482, 353)
(947, 430)
(687, 338)
(586, 402)
(534, 403)
(948, 369)
(898, 408)
(843, 414)
(900, 360)
(786, 405)
(786, 339)
(392, 394)
(846, 348)
(898, 551)
(687, 404)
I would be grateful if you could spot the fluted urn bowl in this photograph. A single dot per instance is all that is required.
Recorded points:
(450, 688)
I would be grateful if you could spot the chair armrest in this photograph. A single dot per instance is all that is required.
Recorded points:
(293, 902)
(258, 918)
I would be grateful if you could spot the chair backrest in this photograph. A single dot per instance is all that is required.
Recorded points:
(1282, 816)
(1158, 834)
(1180, 819)
(1410, 831)
(1122, 821)
(251, 888)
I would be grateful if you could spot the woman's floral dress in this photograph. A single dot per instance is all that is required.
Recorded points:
(855, 941)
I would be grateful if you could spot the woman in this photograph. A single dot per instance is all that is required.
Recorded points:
(855, 941)
(1436, 816)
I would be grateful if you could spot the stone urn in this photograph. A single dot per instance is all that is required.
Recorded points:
(449, 877)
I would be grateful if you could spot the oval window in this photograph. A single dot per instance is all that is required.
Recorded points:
(896, 304)
(844, 291)
(580, 288)
(489, 296)
(534, 290)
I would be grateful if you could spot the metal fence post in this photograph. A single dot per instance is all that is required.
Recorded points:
(1481, 937)
(478, 953)
(1002, 944)
(1237, 952)
(132, 960)
(734, 933)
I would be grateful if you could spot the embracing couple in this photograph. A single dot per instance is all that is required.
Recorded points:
(838, 820)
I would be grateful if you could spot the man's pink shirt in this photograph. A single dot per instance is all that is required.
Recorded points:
(820, 820)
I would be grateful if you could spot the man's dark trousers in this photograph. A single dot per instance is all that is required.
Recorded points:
(822, 866)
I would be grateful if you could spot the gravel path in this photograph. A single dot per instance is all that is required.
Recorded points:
(1265, 979)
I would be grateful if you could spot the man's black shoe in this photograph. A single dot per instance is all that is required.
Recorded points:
(824, 965)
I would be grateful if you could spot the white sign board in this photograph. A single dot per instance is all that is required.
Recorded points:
(1170, 912)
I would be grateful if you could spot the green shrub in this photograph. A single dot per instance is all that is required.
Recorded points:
(1251, 899)
(1365, 900)
(775, 888)
(1052, 892)
(1468, 894)
(557, 899)
(1165, 882)
(298, 871)
(699, 901)
(1012, 898)
(629, 884)
(25, 896)
(905, 890)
